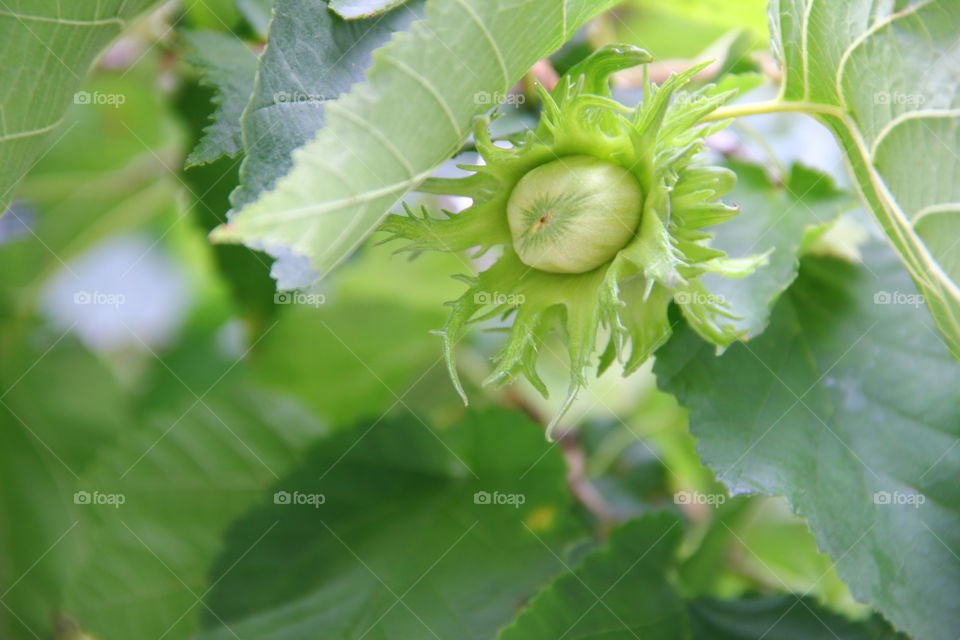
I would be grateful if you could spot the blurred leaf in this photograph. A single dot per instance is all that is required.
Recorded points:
(618, 592)
(230, 66)
(257, 14)
(313, 58)
(358, 349)
(881, 78)
(46, 440)
(186, 469)
(774, 217)
(352, 9)
(209, 187)
(683, 29)
(400, 527)
(370, 153)
(780, 618)
(353, 359)
(622, 591)
(50, 47)
(847, 398)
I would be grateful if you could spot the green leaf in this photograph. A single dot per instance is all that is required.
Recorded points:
(312, 58)
(622, 591)
(774, 218)
(403, 545)
(618, 592)
(369, 344)
(391, 132)
(210, 185)
(257, 14)
(40, 461)
(186, 469)
(847, 399)
(49, 47)
(230, 66)
(353, 9)
(882, 78)
(780, 618)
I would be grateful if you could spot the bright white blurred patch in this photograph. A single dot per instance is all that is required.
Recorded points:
(291, 270)
(124, 292)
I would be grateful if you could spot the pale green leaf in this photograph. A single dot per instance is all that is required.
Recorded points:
(847, 404)
(882, 77)
(774, 218)
(312, 57)
(391, 132)
(47, 48)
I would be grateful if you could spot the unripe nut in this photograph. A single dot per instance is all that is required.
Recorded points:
(573, 214)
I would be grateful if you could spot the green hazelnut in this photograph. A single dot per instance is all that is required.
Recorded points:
(573, 214)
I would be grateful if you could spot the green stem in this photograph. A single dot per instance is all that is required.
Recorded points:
(773, 106)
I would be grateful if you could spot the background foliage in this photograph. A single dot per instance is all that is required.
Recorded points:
(187, 453)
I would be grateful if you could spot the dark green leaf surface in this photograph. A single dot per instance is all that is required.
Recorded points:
(779, 618)
(618, 592)
(882, 77)
(228, 65)
(623, 591)
(848, 398)
(401, 547)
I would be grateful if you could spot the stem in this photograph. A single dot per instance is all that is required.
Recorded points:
(773, 106)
